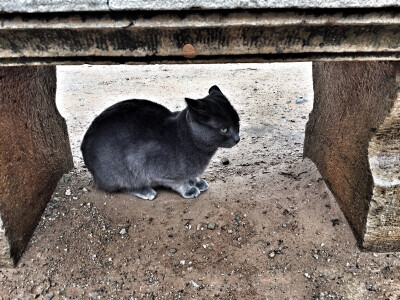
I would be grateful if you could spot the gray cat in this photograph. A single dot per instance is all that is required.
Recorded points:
(135, 146)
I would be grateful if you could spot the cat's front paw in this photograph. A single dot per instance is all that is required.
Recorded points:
(192, 192)
(144, 193)
(202, 185)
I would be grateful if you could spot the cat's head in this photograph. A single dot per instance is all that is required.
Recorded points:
(213, 120)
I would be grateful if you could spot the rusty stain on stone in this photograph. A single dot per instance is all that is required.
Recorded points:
(189, 51)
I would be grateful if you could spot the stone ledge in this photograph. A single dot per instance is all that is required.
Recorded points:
(216, 37)
(48, 6)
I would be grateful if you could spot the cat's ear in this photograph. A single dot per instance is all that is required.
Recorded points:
(214, 89)
(197, 110)
(196, 105)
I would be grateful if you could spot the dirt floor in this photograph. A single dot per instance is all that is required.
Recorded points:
(268, 227)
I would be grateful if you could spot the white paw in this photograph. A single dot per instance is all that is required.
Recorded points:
(148, 194)
(202, 185)
(192, 192)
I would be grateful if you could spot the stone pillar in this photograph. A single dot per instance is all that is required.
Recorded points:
(353, 136)
(34, 153)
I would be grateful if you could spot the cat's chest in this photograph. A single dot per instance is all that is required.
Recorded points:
(184, 163)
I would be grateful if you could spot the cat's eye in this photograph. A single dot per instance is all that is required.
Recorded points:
(224, 130)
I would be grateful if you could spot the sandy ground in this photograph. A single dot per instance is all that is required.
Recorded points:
(268, 227)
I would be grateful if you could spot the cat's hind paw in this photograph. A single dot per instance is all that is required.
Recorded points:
(144, 193)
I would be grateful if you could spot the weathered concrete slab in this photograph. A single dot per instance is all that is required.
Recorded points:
(126, 5)
(149, 37)
(34, 153)
(353, 136)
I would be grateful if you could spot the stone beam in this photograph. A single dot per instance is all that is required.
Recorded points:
(34, 153)
(216, 36)
(353, 136)
(30, 6)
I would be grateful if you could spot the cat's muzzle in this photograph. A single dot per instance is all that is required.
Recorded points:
(231, 142)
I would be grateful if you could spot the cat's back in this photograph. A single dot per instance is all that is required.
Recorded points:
(128, 113)
(135, 108)
(126, 120)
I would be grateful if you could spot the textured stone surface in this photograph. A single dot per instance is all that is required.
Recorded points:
(32, 6)
(383, 223)
(232, 4)
(353, 137)
(34, 153)
(246, 36)
(101, 5)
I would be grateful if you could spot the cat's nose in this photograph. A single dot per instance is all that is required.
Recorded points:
(236, 138)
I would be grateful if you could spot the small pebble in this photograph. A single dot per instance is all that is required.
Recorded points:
(123, 231)
(173, 250)
(68, 192)
(271, 254)
(37, 290)
(225, 161)
(301, 100)
(211, 225)
(93, 294)
(335, 222)
(50, 296)
(194, 284)
(182, 262)
(307, 275)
